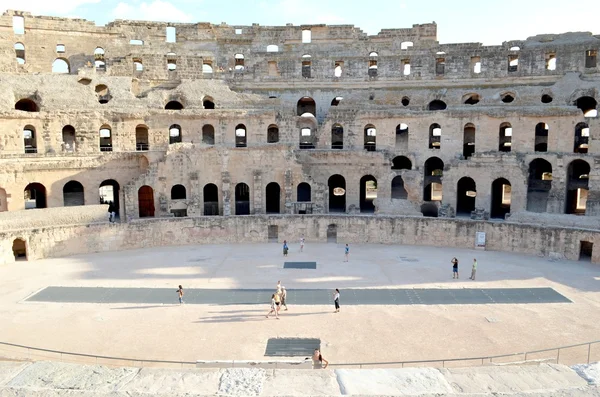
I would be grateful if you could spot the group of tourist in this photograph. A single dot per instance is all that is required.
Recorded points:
(286, 248)
(278, 300)
(454, 262)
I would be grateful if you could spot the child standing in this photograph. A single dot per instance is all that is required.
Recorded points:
(285, 248)
(336, 300)
(346, 253)
(454, 262)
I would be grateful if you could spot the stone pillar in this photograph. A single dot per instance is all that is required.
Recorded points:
(195, 199)
(256, 201)
(163, 197)
(225, 188)
(556, 198)
(288, 190)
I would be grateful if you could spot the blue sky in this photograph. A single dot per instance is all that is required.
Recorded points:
(488, 21)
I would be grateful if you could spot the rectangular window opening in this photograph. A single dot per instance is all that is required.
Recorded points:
(19, 25)
(513, 63)
(306, 36)
(238, 31)
(591, 57)
(136, 42)
(171, 34)
(60, 48)
(440, 66)
(476, 64)
(406, 67)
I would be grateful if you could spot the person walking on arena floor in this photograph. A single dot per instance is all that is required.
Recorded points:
(284, 298)
(274, 307)
(346, 253)
(474, 269)
(180, 293)
(302, 243)
(285, 248)
(336, 300)
(318, 360)
(454, 262)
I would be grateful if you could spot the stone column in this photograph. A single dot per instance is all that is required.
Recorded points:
(225, 188)
(288, 190)
(256, 201)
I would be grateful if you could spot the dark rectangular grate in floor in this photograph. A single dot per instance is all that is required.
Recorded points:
(292, 347)
(299, 265)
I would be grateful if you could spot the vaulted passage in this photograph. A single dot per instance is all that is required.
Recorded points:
(578, 175)
(337, 193)
(109, 194)
(273, 193)
(368, 193)
(538, 185)
(432, 179)
(35, 196)
(303, 192)
(146, 201)
(19, 248)
(242, 199)
(211, 199)
(501, 198)
(468, 140)
(73, 194)
(465, 196)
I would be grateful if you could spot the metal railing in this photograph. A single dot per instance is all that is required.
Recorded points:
(571, 354)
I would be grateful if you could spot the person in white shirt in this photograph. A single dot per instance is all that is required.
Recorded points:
(302, 243)
(336, 300)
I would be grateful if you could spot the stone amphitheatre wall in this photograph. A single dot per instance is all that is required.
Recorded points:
(251, 120)
(65, 240)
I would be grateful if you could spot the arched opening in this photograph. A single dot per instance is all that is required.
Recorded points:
(587, 105)
(105, 135)
(60, 66)
(582, 137)
(398, 190)
(35, 196)
(505, 137)
(402, 137)
(306, 66)
(465, 198)
(541, 137)
(429, 210)
(208, 134)
(20, 53)
(138, 66)
(207, 68)
(368, 193)
(141, 138)
(178, 192)
(242, 199)
(239, 62)
(337, 193)
(546, 98)
(273, 192)
(432, 179)
(471, 99)
(303, 192)
(306, 105)
(208, 103)
(109, 194)
(29, 139)
(73, 194)
(307, 138)
(103, 93)
(146, 201)
(27, 105)
(539, 184)
(370, 138)
(501, 198)
(240, 136)
(3, 200)
(174, 105)
(272, 134)
(401, 163)
(211, 199)
(405, 101)
(336, 101)
(437, 105)
(373, 64)
(435, 136)
(578, 175)
(175, 134)
(19, 248)
(68, 138)
(468, 140)
(507, 97)
(337, 137)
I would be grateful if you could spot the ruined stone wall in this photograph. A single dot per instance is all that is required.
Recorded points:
(267, 91)
(510, 237)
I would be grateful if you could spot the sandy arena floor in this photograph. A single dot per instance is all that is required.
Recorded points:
(357, 334)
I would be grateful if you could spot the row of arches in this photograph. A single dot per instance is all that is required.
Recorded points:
(35, 194)
(308, 137)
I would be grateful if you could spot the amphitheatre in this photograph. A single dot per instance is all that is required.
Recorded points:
(214, 144)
